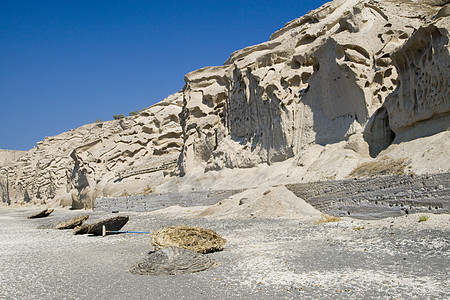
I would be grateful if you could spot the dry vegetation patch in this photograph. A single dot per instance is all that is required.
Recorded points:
(196, 239)
(379, 167)
(327, 219)
(423, 218)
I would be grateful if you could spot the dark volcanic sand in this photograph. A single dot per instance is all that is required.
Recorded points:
(394, 258)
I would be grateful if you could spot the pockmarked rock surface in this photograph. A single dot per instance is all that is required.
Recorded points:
(10, 156)
(75, 167)
(348, 83)
(172, 261)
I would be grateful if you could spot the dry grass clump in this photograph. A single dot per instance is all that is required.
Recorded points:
(148, 190)
(327, 219)
(196, 239)
(379, 167)
(423, 218)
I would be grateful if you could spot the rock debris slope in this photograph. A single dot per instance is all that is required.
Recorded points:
(350, 82)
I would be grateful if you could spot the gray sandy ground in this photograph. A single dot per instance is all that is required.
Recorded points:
(264, 258)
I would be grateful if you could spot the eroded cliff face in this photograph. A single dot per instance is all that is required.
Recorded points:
(329, 90)
(10, 156)
(75, 167)
(322, 79)
(420, 105)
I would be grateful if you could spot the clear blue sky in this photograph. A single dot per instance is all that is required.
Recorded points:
(67, 63)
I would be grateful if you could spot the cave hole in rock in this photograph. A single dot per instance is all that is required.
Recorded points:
(26, 197)
(379, 134)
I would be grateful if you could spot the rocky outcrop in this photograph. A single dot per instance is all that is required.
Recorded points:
(329, 90)
(376, 198)
(420, 104)
(422, 93)
(75, 167)
(339, 71)
(110, 224)
(82, 229)
(10, 156)
(41, 214)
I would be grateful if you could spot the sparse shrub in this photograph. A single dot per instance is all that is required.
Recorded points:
(379, 167)
(148, 190)
(118, 117)
(98, 121)
(423, 218)
(327, 219)
(135, 112)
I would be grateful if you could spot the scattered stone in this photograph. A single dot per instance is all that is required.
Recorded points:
(196, 239)
(71, 224)
(83, 229)
(243, 201)
(172, 261)
(42, 214)
(112, 224)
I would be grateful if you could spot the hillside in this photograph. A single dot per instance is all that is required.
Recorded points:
(353, 86)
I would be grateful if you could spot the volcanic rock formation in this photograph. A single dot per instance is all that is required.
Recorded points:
(73, 168)
(328, 91)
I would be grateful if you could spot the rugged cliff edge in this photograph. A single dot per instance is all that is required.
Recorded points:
(353, 82)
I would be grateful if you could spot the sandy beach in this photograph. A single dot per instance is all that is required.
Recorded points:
(264, 258)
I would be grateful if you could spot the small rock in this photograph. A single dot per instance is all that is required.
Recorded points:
(70, 224)
(42, 214)
(113, 224)
(83, 229)
(243, 201)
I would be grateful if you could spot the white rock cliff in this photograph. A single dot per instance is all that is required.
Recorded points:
(329, 91)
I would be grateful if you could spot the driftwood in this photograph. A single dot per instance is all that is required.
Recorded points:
(42, 214)
(172, 261)
(70, 224)
(196, 239)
